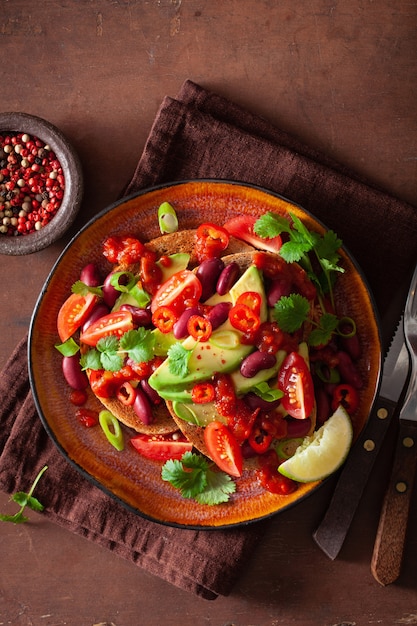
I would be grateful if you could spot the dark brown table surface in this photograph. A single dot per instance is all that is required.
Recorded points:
(342, 76)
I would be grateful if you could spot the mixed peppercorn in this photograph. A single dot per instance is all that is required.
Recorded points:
(31, 184)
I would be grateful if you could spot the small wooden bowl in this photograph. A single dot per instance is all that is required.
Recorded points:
(64, 217)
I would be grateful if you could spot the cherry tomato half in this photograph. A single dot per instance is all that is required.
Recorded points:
(223, 448)
(116, 323)
(199, 327)
(161, 447)
(244, 319)
(180, 291)
(211, 241)
(347, 396)
(294, 379)
(242, 227)
(73, 313)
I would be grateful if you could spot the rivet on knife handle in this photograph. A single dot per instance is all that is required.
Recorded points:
(331, 533)
(391, 535)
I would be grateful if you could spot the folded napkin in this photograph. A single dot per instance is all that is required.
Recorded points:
(201, 135)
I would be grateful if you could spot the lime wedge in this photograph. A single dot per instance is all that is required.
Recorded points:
(323, 452)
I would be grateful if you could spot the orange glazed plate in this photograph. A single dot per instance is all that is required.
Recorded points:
(133, 480)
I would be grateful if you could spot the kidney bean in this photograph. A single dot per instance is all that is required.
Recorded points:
(110, 294)
(348, 370)
(75, 377)
(323, 405)
(140, 317)
(352, 345)
(90, 275)
(219, 314)
(227, 278)
(256, 362)
(279, 287)
(142, 407)
(298, 428)
(100, 310)
(207, 273)
(180, 327)
(152, 395)
(256, 402)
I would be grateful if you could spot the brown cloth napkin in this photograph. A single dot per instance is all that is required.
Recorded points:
(201, 135)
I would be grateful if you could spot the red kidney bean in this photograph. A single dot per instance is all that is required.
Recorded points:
(140, 317)
(348, 370)
(100, 310)
(180, 327)
(298, 428)
(219, 314)
(323, 405)
(153, 396)
(256, 362)
(279, 287)
(110, 294)
(207, 273)
(352, 345)
(75, 377)
(256, 402)
(247, 451)
(142, 407)
(227, 278)
(90, 275)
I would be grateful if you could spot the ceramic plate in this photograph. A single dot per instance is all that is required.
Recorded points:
(134, 481)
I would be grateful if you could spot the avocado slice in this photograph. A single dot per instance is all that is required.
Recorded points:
(199, 414)
(179, 262)
(207, 358)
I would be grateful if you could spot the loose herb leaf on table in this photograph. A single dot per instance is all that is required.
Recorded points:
(25, 499)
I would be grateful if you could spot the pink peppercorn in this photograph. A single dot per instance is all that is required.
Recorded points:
(32, 183)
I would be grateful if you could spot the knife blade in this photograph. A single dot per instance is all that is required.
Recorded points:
(392, 529)
(333, 529)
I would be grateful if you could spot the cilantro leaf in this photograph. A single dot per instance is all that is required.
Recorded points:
(194, 478)
(270, 225)
(110, 358)
(321, 335)
(25, 499)
(82, 289)
(293, 251)
(178, 359)
(290, 312)
(138, 344)
(91, 360)
(327, 247)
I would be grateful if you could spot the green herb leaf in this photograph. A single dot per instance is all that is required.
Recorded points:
(290, 312)
(68, 348)
(270, 225)
(91, 360)
(178, 359)
(25, 499)
(327, 325)
(193, 476)
(82, 289)
(138, 344)
(110, 358)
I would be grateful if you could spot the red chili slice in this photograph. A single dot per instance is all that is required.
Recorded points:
(347, 396)
(164, 319)
(202, 393)
(244, 319)
(199, 327)
(252, 299)
(126, 393)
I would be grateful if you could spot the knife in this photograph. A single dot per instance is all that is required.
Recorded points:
(392, 529)
(331, 533)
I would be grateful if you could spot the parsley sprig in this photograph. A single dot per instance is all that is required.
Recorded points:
(110, 352)
(24, 500)
(178, 359)
(319, 256)
(195, 479)
(82, 289)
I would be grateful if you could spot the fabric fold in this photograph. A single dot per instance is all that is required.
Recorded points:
(199, 134)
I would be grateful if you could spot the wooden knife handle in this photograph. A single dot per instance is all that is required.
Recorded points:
(332, 531)
(390, 539)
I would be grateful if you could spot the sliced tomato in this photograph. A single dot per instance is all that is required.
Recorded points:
(295, 380)
(73, 313)
(223, 448)
(244, 319)
(242, 227)
(161, 447)
(116, 323)
(199, 327)
(180, 291)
